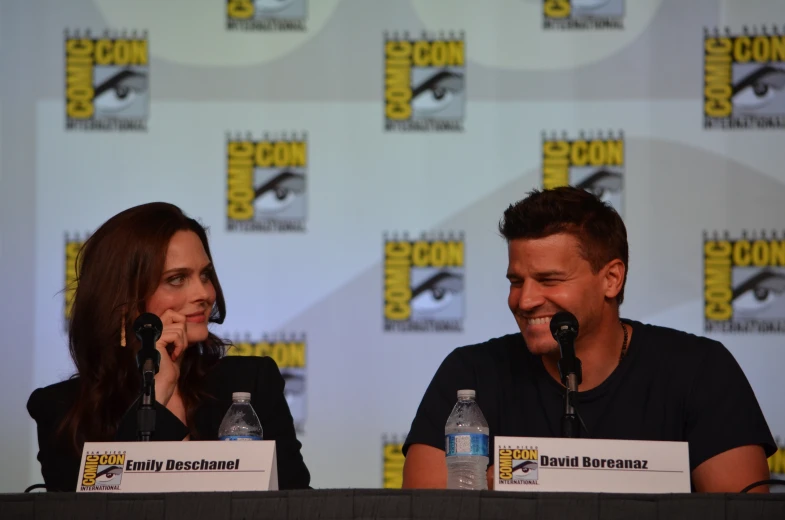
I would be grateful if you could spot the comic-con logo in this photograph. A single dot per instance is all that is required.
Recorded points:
(103, 471)
(266, 183)
(594, 162)
(743, 79)
(424, 82)
(266, 15)
(424, 283)
(518, 465)
(288, 352)
(583, 14)
(107, 81)
(73, 243)
(392, 462)
(744, 283)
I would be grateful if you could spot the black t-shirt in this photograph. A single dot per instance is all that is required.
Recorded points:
(671, 386)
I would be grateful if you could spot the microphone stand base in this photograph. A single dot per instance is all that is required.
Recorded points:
(570, 426)
(145, 414)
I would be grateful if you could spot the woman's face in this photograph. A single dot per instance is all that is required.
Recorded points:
(185, 286)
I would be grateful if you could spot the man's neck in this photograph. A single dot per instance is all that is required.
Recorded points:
(599, 354)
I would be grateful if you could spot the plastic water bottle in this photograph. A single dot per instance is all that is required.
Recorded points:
(466, 444)
(240, 422)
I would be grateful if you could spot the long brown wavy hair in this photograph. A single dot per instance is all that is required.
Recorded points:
(118, 268)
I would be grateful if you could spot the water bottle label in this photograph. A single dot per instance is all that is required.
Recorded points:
(466, 444)
(239, 438)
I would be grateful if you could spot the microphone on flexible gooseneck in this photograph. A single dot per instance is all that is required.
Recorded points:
(564, 328)
(148, 328)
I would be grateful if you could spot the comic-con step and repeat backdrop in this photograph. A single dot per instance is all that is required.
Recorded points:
(352, 160)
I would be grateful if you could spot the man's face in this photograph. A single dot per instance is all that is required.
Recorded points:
(548, 275)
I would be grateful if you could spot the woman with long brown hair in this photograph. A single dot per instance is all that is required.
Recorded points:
(153, 258)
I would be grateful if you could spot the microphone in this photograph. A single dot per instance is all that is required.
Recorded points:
(148, 328)
(564, 328)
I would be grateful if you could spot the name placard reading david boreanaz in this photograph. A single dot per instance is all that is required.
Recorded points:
(139, 467)
(590, 465)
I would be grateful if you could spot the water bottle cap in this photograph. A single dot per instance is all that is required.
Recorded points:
(466, 393)
(245, 396)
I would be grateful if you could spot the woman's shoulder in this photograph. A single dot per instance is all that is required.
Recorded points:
(250, 365)
(51, 398)
(242, 374)
(244, 368)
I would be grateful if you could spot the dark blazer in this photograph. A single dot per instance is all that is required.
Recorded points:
(258, 375)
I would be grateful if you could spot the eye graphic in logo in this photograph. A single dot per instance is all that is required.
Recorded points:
(589, 4)
(760, 295)
(109, 475)
(436, 292)
(119, 91)
(279, 192)
(272, 6)
(524, 471)
(437, 92)
(294, 383)
(524, 468)
(613, 9)
(602, 183)
(758, 89)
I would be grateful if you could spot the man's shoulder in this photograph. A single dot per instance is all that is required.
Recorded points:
(675, 337)
(670, 343)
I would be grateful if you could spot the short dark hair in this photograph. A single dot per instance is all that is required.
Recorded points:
(598, 228)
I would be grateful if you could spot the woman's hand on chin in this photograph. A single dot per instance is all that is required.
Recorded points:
(171, 345)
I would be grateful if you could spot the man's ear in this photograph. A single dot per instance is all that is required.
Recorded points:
(614, 278)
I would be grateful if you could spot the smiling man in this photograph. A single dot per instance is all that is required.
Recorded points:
(568, 252)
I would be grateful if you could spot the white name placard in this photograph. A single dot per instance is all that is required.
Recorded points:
(590, 465)
(140, 467)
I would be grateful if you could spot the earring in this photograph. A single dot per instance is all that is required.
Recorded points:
(122, 332)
